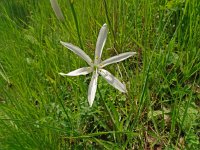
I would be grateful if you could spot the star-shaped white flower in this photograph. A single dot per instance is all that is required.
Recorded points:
(97, 66)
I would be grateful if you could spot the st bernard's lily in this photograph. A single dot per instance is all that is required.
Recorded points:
(97, 66)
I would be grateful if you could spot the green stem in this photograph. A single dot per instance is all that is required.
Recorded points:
(76, 22)
(109, 22)
(105, 105)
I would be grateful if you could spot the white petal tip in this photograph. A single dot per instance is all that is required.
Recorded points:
(92, 88)
(62, 74)
(68, 74)
(65, 43)
(90, 105)
(104, 24)
(62, 42)
(124, 90)
(90, 101)
(133, 53)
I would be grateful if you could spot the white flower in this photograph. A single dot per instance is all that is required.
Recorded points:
(97, 66)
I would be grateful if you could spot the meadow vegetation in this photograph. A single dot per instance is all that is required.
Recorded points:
(39, 109)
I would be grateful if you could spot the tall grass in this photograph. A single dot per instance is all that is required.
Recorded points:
(39, 109)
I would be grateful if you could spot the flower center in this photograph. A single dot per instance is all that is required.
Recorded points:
(95, 67)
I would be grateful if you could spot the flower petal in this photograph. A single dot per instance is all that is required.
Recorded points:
(78, 51)
(100, 43)
(112, 80)
(56, 9)
(117, 58)
(92, 88)
(77, 72)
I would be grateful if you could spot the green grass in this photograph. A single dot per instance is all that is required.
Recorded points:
(39, 109)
